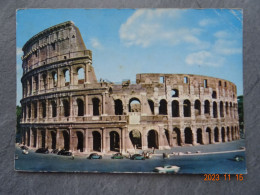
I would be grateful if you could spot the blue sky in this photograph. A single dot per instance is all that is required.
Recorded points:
(125, 42)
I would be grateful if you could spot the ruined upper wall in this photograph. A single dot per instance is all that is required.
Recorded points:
(59, 42)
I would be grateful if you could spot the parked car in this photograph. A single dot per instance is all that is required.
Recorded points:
(64, 153)
(137, 157)
(117, 156)
(55, 151)
(42, 150)
(94, 156)
(167, 169)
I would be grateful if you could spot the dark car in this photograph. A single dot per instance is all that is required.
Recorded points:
(64, 153)
(24, 147)
(137, 157)
(42, 150)
(117, 156)
(94, 156)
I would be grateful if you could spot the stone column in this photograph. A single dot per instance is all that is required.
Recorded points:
(160, 137)
(86, 73)
(211, 109)
(192, 109)
(71, 107)
(85, 146)
(156, 108)
(71, 76)
(123, 132)
(144, 139)
(59, 77)
(71, 139)
(104, 104)
(86, 105)
(104, 145)
(32, 85)
(38, 110)
(181, 108)
(58, 140)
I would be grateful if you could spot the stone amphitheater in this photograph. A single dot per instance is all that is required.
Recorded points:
(64, 106)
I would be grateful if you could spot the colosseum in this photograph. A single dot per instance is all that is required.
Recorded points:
(64, 106)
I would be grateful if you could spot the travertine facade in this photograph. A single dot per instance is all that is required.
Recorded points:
(64, 106)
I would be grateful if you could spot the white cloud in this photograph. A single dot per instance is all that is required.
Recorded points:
(204, 58)
(96, 44)
(207, 21)
(150, 27)
(227, 47)
(19, 51)
(222, 34)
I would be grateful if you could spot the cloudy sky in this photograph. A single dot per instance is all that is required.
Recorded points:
(129, 41)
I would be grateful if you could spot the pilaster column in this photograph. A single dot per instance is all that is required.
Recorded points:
(71, 141)
(103, 104)
(86, 147)
(104, 146)
(144, 139)
(123, 132)
(86, 105)
(181, 108)
(32, 85)
(192, 109)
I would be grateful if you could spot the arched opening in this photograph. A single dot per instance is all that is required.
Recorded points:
(54, 108)
(197, 107)
(66, 140)
(81, 76)
(96, 141)
(43, 138)
(186, 108)
(96, 106)
(152, 139)
(118, 107)
(231, 109)
(35, 109)
(43, 109)
(232, 133)
(136, 139)
(134, 105)
(163, 107)
(54, 79)
(216, 135)
(34, 138)
(36, 83)
(175, 93)
(114, 141)
(228, 134)
(177, 136)
(215, 110)
(206, 107)
(199, 136)
(188, 135)
(44, 81)
(80, 141)
(208, 130)
(29, 110)
(28, 137)
(151, 104)
(66, 74)
(80, 104)
(221, 108)
(175, 108)
(214, 94)
(223, 134)
(66, 108)
(53, 140)
(227, 112)
(166, 133)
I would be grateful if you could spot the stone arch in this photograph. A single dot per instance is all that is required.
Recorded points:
(54, 108)
(151, 104)
(28, 137)
(163, 107)
(207, 107)
(136, 139)
(53, 140)
(227, 112)
(36, 83)
(34, 133)
(223, 134)
(43, 108)
(216, 135)
(221, 108)
(96, 141)
(54, 79)
(215, 110)
(199, 136)
(175, 93)
(232, 133)
(208, 130)
(231, 109)
(197, 107)
(29, 110)
(44, 81)
(80, 104)
(175, 108)
(186, 108)
(66, 108)
(118, 107)
(96, 106)
(80, 139)
(66, 140)
(80, 75)
(228, 134)
(43, 135)
(134, 105)
(188, 137)
(167, 135)
(177, 136)
(152, 139)
(34, 103)
(114, 141)
(65, 80)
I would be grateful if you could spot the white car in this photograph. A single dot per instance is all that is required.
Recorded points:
(167, 169)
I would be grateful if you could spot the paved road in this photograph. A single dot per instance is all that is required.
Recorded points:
(211, 163)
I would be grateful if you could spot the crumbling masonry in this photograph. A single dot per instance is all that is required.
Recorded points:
(64, 106)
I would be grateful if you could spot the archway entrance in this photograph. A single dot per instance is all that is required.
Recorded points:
(136, 139)
(43, 138)
(80, 141)
(223, 134)
(188, 136)
(53, 140)
(34, 138)
(199, 136)
(28, 137)
(177, 136)
(96, 141)
(66, 139)
(114, 141)
(152, 139)
(228, 134)
(216, 135)
(208, 130)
